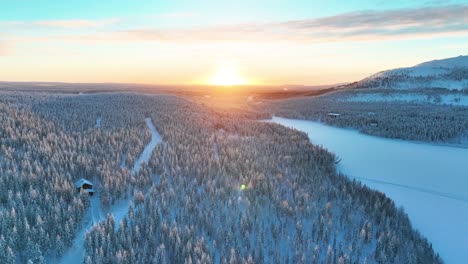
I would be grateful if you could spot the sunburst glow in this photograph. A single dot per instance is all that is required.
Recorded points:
(227, 76)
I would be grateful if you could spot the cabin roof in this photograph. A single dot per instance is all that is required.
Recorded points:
(79, 183)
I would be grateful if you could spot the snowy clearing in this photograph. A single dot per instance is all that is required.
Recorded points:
(429, 182)
(98, 122)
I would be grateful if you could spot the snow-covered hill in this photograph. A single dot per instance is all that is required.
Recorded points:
(451, 73)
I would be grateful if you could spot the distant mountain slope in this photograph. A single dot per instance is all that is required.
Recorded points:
(451, 73)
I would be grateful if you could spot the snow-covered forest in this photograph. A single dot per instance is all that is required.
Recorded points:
(417, 176)
(449, 74)
(220, 188)
(408, 115)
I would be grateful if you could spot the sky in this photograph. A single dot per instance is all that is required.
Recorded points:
(261, 42)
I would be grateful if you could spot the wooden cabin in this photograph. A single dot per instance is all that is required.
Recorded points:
(334, 115)
(84, 185)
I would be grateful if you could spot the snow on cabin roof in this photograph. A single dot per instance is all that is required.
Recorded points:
(81, 182)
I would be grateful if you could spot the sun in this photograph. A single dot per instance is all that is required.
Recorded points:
(227, 76)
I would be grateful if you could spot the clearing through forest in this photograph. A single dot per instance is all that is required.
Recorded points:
(75, 253)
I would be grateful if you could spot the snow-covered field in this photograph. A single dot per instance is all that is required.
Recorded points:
(430, 182)
(118, 210)
(448, 99)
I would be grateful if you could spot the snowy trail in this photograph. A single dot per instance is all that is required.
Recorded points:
(96, 214)
(415, 188)
(146, 155)
(215, 150)
(75, 254)
(98, 122)
(428, 181)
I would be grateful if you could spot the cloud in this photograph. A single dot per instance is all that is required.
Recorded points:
(371, 25)
(429, 19)
(4, 49)
(356, 26)
(179, 15)
(60, 24)
(76, 23)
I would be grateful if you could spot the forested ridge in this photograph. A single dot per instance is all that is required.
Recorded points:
(222, 188)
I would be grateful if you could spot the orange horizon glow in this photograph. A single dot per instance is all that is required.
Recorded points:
(135, 69)
(227, 75)
(317, 50)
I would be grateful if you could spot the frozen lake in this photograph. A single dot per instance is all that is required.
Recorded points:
(430, 182)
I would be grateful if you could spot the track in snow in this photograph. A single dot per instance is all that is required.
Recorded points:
(75, 254)
(98, 122)
(415, 188)
(146, 154)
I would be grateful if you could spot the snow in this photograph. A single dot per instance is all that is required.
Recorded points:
(119, 210)
(428, 181)
(432, 74)
(215, 151)
(98, 122)
(96, 214)
(450, 84)
(414, 72)
(146, 155)
(75, 253)
(79, 183)
(445, 99)
(455, 62)
(430, 68)
(432, 82)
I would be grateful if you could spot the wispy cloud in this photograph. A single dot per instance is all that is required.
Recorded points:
(78, 23)
(362, 26)
(393, 22)
(4, 49)
(179, 15)
(426, 22)
(61, 24)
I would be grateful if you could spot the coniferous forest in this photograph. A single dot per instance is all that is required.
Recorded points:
(221, 187)
(407, 120)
